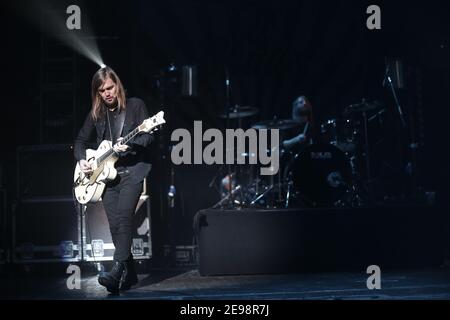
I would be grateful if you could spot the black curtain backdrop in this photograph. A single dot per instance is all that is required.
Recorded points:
(273, 51)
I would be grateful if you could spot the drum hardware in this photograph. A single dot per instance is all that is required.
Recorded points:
(280, 124)
(290, 185)
(233, 113)
(236, 113)
(321, 175)
(363, 109)
(361, 114)
(262, 195)
(227, 200)
(239, 112)
(336, 172)
(269, 191)
(363, 106)
(341, 133)
(233, 187)
(367, 156)
(271, 195)
(266, 191)
(316, 175)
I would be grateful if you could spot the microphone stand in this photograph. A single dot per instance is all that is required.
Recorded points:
(228, 106)
(399, 108)
(412, 145)
(394, 94)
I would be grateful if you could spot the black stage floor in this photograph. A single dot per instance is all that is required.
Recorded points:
(187, 284)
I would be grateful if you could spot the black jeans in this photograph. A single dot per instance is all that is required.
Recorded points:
(120, 200)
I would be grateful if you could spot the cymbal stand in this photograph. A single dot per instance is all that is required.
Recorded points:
(262, 195)
(290, 185)
(229, 198)
(356, 198)
(276, 188)
(366, 154)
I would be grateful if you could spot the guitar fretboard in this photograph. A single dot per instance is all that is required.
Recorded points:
(110, 152)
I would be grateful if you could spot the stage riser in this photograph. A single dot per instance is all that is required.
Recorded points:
(267, 242)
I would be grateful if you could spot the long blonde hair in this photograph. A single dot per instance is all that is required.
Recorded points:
(97, 81)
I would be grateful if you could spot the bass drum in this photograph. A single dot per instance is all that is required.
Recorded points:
(321, 175)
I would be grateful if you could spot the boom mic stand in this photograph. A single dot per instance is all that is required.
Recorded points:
(394, 94)
(411, 144)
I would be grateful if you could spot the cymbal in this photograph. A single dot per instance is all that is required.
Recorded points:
(282, 124)
(363, 107)
(238, 112)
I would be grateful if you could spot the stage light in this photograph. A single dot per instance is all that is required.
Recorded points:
(102, 65)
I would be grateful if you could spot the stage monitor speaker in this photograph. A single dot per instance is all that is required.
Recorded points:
(310, 240)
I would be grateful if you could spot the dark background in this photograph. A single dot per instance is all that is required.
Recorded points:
(273, 52)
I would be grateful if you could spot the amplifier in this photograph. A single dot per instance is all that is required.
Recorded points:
(45, 170)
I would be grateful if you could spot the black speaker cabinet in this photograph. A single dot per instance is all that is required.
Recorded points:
(45, 170)
(289, 241)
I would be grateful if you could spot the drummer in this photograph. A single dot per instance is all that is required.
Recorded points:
(301, 112)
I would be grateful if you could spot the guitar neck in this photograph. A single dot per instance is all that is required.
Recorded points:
(129, 136)
(110, 152)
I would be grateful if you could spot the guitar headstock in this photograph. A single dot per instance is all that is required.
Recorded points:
(153, 123)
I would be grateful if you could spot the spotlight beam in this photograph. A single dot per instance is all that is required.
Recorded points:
(52, 21)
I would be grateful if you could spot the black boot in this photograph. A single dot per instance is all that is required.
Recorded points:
(129, 278)
(111, 280)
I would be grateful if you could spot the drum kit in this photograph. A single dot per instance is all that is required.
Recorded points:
(324, 171)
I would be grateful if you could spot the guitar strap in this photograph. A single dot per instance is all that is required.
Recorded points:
(118, 126)
(120, 122)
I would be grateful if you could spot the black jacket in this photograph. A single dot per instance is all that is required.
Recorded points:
(135, 160)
